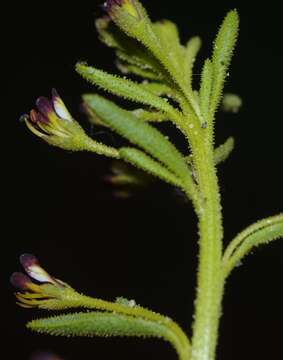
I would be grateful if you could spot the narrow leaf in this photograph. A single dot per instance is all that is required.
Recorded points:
(105, 324)
(168, 35)
(127, 49)
(223, 151)
(102, 324)
(222, 54)
(192, 49)
(142, 29)
(205, 90)
(139, 133)
(146, 163)
(124, 88)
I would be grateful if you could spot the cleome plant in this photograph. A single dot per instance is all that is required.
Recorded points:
(150, 51)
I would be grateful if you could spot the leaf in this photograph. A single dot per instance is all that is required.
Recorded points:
(135, 58)
(102, 324)
(124, 88)
(105, 324)
(261, 232)
(222, 54)
(143, 30)
(168, 35)
(205, 90)
(223, 151)
(139, 133)
(144, 162)
(192, 49)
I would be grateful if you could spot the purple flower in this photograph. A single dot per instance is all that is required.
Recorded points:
(52, 122)
(38, 288)
(49, 118)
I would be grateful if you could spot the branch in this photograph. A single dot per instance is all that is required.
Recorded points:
(261, 232)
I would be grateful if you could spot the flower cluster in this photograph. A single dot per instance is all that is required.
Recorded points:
(39, 289)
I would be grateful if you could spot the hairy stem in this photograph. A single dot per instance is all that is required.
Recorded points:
(209, 279)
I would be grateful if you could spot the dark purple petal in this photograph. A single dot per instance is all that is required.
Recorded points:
(28, 260)
(42, 118)
(44, 105)
(20, 280)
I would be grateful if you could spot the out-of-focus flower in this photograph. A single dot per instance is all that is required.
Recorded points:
(53, 123)
(126, 180)
(231, 103)
(39, 289)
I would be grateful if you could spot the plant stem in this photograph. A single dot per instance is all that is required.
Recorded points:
(210, 281)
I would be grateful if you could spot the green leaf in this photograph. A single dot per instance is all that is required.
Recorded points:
(139, 133)
(102, 324)
(205, 90)
(135, 58)
(168, 35)
(125, 88)
(146, 163)
(261, 232)
(192, 49)
(141, 28)
(223, 151)
(105, 324)
(222, 54)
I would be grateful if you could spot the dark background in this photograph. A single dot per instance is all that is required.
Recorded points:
(58, 206)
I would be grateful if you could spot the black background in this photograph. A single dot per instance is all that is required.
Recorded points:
(58, 207)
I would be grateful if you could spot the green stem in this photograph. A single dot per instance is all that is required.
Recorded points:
(210, 281)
